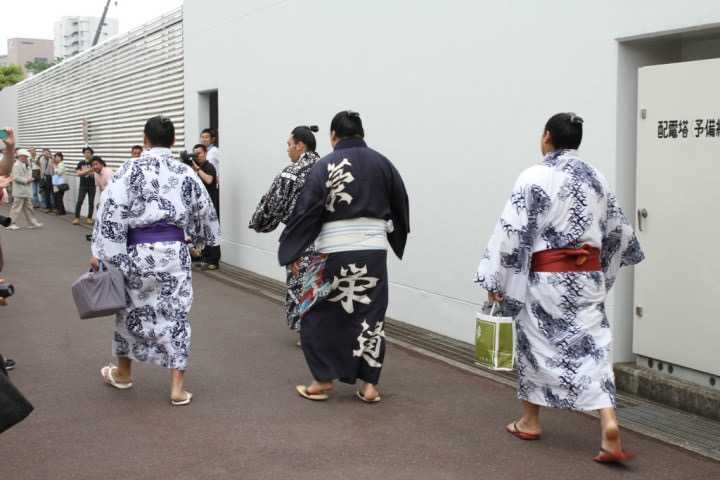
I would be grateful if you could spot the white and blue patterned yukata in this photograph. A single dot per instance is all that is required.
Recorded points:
(563, 335)
(154, 188)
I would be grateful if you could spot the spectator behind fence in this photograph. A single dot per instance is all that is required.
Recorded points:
(22, 191)
(208, 175)
(46, 185)
(59, 183)
(85, 172)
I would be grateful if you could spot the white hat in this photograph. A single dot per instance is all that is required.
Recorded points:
(22, 152)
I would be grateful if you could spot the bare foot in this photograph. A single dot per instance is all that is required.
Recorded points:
(317, 388)
(525, 426)
(369, 392)
(120, 377)
(180, 396)
(111, 376)
(611, 438)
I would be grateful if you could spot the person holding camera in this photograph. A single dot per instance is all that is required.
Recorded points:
(85, 172)
(207, 173)
(22, 191)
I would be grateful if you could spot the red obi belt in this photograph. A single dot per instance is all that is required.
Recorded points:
(583, 259)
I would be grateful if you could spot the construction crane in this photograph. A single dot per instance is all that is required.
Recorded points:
(102, 21)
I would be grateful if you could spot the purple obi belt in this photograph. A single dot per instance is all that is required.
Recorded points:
(157, 232)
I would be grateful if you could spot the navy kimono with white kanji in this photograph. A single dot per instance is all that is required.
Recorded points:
(353, 204)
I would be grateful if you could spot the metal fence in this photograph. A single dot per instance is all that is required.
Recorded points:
(103, 96)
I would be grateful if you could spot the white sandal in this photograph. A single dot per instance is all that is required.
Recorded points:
(108, 378)
(180, 403)
(360, 395)
(302, 390)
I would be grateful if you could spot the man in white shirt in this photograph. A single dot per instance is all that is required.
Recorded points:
(208, 137)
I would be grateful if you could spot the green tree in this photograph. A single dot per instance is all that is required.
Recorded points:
(10, 75)
(38, 65)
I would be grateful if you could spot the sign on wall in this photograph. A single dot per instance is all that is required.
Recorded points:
(698, 128)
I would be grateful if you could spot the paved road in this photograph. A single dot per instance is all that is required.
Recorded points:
(436, 422)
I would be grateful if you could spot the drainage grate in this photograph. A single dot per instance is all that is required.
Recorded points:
(691, 432)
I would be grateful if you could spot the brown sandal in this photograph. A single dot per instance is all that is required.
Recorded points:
(527, 436)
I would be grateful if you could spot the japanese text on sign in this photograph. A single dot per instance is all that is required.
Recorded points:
(685, 128)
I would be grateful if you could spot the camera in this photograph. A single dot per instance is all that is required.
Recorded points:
(6, 290)
(5, 221)
(187, 158)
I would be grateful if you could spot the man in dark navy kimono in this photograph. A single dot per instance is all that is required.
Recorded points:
(353, 205)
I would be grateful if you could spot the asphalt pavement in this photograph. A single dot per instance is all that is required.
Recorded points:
(246, 421)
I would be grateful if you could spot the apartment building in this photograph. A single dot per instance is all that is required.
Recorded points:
(75, 34)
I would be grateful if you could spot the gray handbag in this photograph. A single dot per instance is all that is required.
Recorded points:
(100, 294)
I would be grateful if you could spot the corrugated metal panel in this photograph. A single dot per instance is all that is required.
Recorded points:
(112, 89)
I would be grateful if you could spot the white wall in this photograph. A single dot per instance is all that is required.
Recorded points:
(455, 93)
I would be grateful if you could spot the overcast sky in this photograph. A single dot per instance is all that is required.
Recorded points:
(35, 18)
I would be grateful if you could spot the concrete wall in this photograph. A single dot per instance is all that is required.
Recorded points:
(455, 93)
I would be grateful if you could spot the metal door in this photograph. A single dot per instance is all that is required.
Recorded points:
(677, 288)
